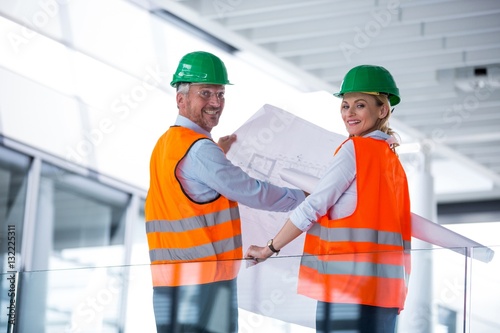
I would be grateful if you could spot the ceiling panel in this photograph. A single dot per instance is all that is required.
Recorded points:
(433, 49)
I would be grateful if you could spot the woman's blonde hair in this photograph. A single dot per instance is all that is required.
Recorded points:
(383, 125)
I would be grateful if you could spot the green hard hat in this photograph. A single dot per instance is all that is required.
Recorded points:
(370, 79)
(200, 67)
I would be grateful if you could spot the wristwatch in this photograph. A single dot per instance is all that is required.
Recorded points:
(271, 247)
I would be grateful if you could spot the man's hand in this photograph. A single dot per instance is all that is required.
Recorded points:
(225, 142)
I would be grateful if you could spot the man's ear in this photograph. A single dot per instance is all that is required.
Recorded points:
(180, 98)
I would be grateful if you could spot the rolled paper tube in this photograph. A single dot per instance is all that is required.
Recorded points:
(421, 228)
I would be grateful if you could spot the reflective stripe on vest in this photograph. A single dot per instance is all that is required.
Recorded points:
(359, 268)
(357, 235)
(190, 223)
(196, 253)
(361, 258)
(187, 239)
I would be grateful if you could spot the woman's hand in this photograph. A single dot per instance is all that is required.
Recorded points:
(257, 254)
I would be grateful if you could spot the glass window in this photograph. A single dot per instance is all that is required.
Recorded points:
(76, 273)
(13, 183)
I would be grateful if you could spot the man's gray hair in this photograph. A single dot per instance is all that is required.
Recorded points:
(183, 88)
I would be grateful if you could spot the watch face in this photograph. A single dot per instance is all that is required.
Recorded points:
(270, 246)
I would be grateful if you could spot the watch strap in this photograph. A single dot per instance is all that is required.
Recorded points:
(271, 247)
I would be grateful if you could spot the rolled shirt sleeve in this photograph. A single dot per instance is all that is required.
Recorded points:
(335, 194)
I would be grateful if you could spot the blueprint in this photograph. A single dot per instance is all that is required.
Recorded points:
(273, 140)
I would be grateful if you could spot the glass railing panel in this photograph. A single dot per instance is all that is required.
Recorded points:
(436, 301)
(139, 315)
(448, 292)
(73, 300)
(268, 298)
(484, 294)
(436, 292)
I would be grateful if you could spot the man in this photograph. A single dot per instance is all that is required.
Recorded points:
(192, 217)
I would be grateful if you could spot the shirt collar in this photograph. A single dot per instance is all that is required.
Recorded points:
(185, 122)
(377, 135)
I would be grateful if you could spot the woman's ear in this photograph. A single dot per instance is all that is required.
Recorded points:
(384, 110)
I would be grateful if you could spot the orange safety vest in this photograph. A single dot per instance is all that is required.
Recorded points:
(189, 242)
(361, 258)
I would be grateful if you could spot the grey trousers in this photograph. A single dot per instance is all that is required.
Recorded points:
(205, 308)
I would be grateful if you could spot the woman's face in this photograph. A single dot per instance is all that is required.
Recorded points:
(361, 114)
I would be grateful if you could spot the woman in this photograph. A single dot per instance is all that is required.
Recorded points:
(358, 217)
